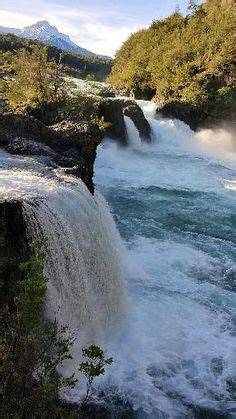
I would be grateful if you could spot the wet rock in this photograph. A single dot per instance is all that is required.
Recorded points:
(12, 125)
(14, 248)
(112, 112)
(26, 147)
(183, 111)
(133, 111)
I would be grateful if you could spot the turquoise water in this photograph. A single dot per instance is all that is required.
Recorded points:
(174, 203)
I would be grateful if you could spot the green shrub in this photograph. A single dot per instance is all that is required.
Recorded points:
(90, 77)
(94, 366)
(36, 80)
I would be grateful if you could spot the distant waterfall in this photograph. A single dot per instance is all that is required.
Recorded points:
(85, 287)
(132, 132)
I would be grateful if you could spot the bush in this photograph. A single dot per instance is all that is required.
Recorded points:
(36, 80)
(94, 366)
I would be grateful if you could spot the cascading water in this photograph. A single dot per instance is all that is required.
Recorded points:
(174, 202)
(84, 268)
(132, 132)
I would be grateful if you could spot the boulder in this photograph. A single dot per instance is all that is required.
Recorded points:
(27, 147)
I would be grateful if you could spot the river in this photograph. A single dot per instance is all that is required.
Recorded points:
(174, 202)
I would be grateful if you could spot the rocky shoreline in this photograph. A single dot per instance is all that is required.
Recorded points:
(68, 140)
(61, 139)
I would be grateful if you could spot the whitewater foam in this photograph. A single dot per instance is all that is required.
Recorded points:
(175, 209)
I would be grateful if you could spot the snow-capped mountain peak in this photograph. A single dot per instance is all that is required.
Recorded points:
(44, 32)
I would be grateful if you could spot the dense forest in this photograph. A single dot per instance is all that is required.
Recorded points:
(73, 64)
(188, 60)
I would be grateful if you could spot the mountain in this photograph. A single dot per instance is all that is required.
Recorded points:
(44, 32)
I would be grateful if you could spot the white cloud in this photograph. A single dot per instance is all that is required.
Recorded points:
(91, 29)
(15, 19)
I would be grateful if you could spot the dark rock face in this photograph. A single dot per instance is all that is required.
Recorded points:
(136, 114)
(14, 248)
(113, 111)
(183, 111)
(47, 113)
(76, 145)
(26, 147)
(145, 94)
(23, 126)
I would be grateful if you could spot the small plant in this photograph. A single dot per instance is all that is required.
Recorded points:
(94, 366)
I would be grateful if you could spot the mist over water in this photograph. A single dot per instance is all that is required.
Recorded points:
(174, 202)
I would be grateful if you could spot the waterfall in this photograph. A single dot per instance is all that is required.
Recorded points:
(85, 287)
(132, 132)
(149, 108)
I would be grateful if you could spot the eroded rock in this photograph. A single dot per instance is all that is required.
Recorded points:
(134, 112)
(113, 111)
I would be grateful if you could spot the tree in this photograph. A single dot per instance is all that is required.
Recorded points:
(57, 82)
(94, 366)
(182, 59)
(192, 6)
(36, 80)
(31, 349)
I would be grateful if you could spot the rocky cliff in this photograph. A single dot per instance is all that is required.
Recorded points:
(14, 248)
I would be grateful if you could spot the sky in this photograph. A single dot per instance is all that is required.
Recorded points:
(98, 25)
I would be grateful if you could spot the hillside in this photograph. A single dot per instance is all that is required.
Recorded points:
(74, 64)
(181, 60)
(44, 32)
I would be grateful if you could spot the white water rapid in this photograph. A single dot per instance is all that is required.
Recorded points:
(174, 202)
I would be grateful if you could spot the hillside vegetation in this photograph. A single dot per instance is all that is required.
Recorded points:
(73, 64)
(188, 60)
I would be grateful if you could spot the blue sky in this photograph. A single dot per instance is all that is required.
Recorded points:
(98, 25)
